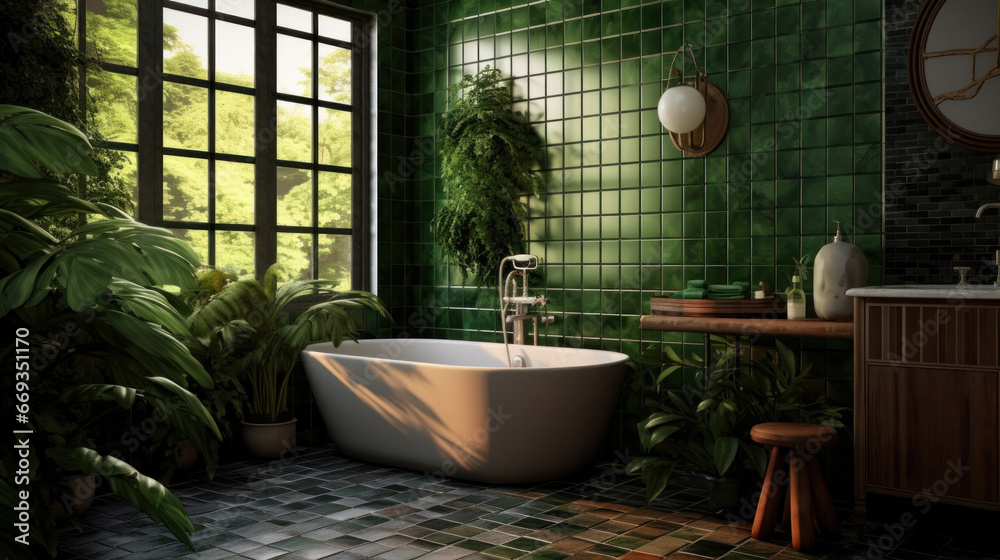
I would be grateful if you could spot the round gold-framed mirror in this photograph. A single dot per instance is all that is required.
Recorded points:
(953, 66)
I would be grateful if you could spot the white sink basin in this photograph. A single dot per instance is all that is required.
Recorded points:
(952, 291)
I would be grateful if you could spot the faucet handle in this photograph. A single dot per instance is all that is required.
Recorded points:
(524, 262)
(962, 272)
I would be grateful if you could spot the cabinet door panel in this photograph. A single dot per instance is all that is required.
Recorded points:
(923, 423)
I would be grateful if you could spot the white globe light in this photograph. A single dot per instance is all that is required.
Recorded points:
(681, 109)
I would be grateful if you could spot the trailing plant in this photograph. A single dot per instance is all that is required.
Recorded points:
(93, 323)
(260, 333)
(704, 427)
(488, 153)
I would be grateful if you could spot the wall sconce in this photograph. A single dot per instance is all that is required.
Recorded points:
(695, 114)
(993, 175)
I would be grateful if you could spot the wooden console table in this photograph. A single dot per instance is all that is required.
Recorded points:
(747, 326)
(808, 328)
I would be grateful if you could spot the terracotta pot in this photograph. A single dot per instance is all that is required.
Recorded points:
(269, 441)
(187, 455)
(82, 487)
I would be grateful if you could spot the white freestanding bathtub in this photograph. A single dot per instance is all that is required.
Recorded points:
(454, 409)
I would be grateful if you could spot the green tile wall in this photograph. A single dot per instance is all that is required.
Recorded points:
(626, 216)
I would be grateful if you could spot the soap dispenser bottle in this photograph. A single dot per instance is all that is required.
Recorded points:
(839, 266)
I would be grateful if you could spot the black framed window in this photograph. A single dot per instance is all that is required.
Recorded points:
(250, 125)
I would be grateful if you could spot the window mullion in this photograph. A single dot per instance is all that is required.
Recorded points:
(314, 256)
(150, 111)
(265, 149)
(212, 230)
(361, 132)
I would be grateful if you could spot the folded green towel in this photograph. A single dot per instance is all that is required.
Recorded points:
(700, 289)
(725, 289)
(690, 293)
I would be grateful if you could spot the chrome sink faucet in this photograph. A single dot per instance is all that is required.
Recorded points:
(979, 214)
(512, 294)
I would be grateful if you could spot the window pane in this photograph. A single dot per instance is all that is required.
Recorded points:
(294, 18)
(335, 260)
(234, 53)
(185, 116)
(242, 8)
(111, 30)
(295, 197)
(197, 239)
(234, 192)
(185, 44)
(113, 96)
(295, 66)
(185, 189)
(234, 252)
(129, 177)
(234, 119)
(294, 256)
(334, 200)
(334, 137)
(334, 28)
(334, 74)
(294, 131)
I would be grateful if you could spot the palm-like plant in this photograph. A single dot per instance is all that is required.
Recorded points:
(102, 334)
(705, 428)
(264, 334)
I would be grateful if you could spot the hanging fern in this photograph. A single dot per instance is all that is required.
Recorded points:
(488, 152)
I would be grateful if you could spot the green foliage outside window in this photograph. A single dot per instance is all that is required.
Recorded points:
(40, 69)
(113, 106)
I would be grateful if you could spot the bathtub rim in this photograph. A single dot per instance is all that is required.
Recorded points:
(620, 358)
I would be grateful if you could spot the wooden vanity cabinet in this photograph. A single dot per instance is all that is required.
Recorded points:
(926, 392)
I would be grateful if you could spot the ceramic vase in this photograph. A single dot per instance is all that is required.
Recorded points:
(839, 267)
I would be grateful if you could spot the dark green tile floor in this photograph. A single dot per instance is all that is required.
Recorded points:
(320, 505)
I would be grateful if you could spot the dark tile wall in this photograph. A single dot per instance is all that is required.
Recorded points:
(932, 187)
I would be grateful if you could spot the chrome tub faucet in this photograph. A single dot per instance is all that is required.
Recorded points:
(512, 294)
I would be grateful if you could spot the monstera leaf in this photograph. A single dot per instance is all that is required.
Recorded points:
(94, 310)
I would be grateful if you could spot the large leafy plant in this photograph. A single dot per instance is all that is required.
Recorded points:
(488, 153)
(704, 427)
(102, 334)
(262, 328)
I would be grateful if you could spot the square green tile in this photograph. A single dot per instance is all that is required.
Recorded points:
(762, 24)
(867, 9)
(867, 67)
(739, 28)
(814, 14)
(694, 10)
(739, 56)
(839, 12)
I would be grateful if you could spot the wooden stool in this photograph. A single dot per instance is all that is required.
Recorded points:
(808, 503)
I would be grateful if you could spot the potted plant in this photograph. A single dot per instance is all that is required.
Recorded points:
(262, 328)
(488, 156)
(92, 332)
(704, 428)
